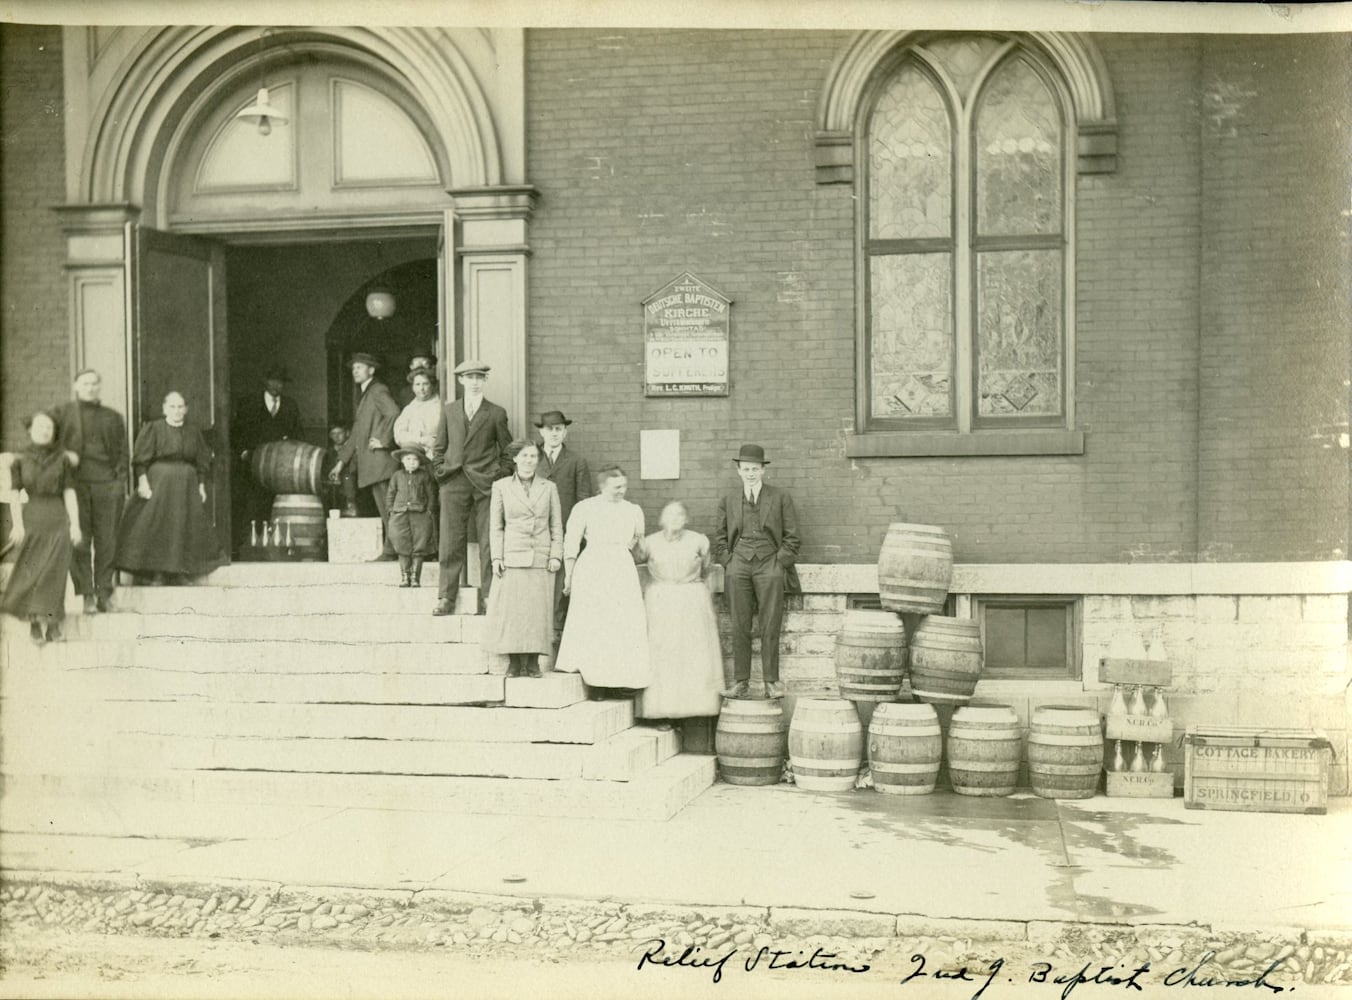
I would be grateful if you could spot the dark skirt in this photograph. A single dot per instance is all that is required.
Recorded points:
(172, 531)
(38, 584)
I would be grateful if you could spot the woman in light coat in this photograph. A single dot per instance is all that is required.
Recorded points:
(526, 541)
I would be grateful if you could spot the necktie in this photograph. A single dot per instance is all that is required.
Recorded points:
(553, 456)
(470, 411)
(751, 498)
(272, 405)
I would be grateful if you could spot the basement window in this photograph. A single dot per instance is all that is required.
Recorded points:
(1029, 638)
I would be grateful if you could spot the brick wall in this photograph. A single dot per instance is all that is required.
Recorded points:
(34, 338)
(1275, 297)
(658, 151)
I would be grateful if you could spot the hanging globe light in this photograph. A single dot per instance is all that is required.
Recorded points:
(380, 303)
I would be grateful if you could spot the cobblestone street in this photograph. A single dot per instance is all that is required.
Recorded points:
(133, 935)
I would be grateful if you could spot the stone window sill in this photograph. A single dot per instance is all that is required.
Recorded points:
(934, 444)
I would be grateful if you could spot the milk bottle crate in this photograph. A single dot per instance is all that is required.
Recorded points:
(1247, 769)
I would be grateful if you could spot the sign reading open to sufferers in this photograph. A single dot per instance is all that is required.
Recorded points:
(685, 337)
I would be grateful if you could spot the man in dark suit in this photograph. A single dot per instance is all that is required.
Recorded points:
(97, 436)
(371, 440)
(260, 419)
(570, 473)
(757, 542)
(472, 440)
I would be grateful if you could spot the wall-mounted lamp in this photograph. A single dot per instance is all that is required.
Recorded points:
(380, 303)
(262, 112)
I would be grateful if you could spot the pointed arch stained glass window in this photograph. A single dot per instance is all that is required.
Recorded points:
(965, 240)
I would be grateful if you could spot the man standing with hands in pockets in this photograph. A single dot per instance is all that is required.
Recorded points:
(757, 542)
(472, 440)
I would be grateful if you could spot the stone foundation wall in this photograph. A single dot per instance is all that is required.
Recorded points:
(1239, 659)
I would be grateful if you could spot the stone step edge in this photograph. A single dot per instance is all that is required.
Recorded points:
(858, 923)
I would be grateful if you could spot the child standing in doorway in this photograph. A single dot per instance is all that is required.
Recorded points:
(410, 503)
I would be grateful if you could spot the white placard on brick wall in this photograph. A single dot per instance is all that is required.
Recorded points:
(659, 454)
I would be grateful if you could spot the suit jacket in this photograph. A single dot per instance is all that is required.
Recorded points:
(779, 520)
(111, 426)
(479, 447)
(570, 474)
(254, 425)
(525, 530)
(374, 419)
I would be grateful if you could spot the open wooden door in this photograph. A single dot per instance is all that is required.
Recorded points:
(180, 345)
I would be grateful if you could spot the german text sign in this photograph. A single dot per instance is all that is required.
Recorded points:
(685, 337)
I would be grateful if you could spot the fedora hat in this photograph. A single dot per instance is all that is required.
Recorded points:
(366, 359)
(752, 453)
(413, 449)
(277, 372)
(551, 417)
(470, 367)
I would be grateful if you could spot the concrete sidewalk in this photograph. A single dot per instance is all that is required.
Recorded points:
(885, 864)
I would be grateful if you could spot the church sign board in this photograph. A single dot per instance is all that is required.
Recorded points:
(685, 336)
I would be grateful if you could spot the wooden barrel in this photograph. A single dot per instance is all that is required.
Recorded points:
(915, 568)
(904, 748)
(751, 740)
(871, 656)
(984, 747)
(304, 514)
(945, 659)
(1065, 751)
(826, 744)
(288, 466)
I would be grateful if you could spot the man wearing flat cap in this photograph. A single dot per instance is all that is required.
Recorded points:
(263, 417)
(757, 542)
(371, 441)
(569, 472)
(471, 449)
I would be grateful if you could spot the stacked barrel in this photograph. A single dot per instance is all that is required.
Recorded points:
(901, 741)
(292, 471)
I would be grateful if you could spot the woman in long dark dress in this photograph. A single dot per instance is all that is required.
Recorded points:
(166, 529)
(44, 530)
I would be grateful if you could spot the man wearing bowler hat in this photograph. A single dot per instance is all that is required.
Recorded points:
(569, 472)
(371, 441)
(262, 418)
(757, 542)
(472, 440)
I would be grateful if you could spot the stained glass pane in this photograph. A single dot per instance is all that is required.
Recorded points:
(912, 315)
(963, 56)
(1019, 333)
(910, 160)
(1018, 158)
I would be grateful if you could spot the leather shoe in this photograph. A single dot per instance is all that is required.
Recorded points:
(739, 690)
(443, 608)
(91, 605)
(774, 689)
(104, 604)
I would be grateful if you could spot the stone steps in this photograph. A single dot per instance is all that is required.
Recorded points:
(265, 599)
(587, 722)
(657, 794)
(242, 655)
(314, 684)
(621, 757)
(428, 687)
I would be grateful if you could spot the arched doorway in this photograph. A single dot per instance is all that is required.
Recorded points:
(240, 249)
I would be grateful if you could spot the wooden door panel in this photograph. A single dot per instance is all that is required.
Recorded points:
(181, 345)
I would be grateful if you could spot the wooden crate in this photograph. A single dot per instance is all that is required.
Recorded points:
(1140, 785)
(1256, 770)
(1139, 728)
(1153, 673)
